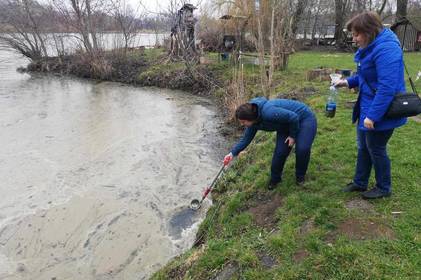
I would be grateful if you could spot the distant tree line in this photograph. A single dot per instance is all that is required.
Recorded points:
(27, 25)
(272, 26)
(55, 22)
(312, 19)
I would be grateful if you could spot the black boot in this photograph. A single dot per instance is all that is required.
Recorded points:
(272, 185)
(300, 180)
(375, 193)
(352, 187)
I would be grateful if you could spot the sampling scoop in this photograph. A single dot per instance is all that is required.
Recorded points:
(195, 204)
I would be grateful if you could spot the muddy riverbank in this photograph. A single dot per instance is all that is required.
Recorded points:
(140, 67)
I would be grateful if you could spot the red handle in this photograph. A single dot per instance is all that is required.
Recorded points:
(207, 191)
(227, 160)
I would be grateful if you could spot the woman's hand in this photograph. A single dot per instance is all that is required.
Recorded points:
(228, 158)
(341, 83)
(368, 123)
(290, 141)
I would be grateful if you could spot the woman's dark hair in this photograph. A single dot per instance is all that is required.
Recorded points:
(247, 112)
(368, 23)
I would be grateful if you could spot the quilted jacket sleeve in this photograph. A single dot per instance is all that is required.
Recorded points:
(353, 81)
(245, 140)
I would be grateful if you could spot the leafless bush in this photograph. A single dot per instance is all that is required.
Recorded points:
(84, 16)
(127, 20)
(27, 36)
(235, 93)
(232, 99)
(210, 33)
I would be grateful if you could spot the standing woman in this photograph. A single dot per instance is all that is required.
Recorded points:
(293, 122)
(380, 75)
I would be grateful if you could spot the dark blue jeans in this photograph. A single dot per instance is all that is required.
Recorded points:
(303, 143)
(372, 153)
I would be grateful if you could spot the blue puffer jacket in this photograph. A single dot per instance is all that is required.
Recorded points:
(274, 115)
(381, 65)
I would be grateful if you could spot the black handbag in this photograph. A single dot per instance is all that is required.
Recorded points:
(403, 104)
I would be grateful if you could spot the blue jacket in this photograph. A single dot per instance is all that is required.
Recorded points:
(274, 115)
(381, 65)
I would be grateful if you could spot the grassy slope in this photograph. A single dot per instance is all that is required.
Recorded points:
(310, 238)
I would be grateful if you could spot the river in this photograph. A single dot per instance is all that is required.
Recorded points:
(92, 172)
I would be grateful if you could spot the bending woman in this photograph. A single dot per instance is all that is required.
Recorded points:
(293, 122)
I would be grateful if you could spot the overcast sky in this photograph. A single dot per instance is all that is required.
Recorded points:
(157, 6)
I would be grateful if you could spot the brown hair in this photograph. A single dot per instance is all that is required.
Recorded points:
(246, 111)
(368, 23)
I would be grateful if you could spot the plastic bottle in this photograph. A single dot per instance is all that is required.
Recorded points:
(331, 102)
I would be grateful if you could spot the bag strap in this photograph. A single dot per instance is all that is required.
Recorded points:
(409, 78)
(404, 65)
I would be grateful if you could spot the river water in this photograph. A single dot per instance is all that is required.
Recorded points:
(91, 174)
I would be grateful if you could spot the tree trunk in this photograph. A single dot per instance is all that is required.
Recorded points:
(35, 28)
(90, 25)
(401, 9)
(340, 8)
(301, 4)
(307, 24)
(316, 21)
(82, 26)
(380, 11)
(261, 50)
(272, 53)
(360, 5)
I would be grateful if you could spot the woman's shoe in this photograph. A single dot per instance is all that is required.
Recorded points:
(272, 185)
(299, 181)
(375, 193)
(352, 187)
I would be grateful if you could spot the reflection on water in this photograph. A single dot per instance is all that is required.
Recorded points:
(92, 172)
(70, 42)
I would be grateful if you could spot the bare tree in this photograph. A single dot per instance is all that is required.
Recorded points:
(297, 14)
(341, 9)
(80, 14)
(126, 19)
(286, 18)
(360, 5)
(321, 10)
(260, 46)
(28, 37)
(382, 7)
(307, 21)
(274, 25)
(283, 22)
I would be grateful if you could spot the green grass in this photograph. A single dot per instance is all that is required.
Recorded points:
(232, 237)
